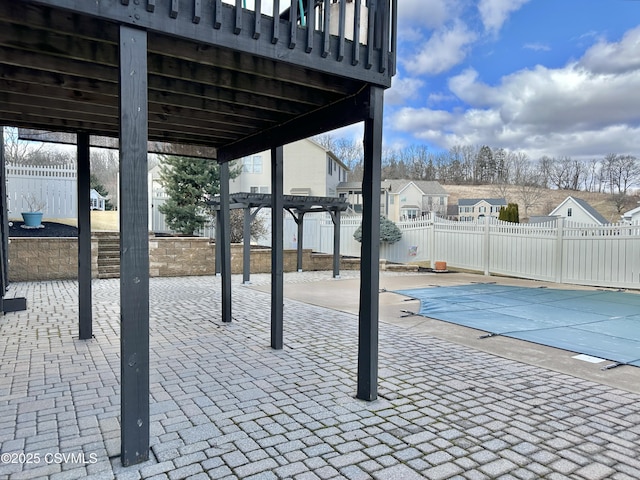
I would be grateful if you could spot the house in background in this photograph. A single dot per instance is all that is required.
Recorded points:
(632, 216)
(470, 209)
(401, 199)
(579, 211)
(98, 202)
(309, 169)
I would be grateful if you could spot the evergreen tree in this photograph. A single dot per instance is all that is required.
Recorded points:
(509, 213)
(101, 189)
(189, 183)
(389, 231)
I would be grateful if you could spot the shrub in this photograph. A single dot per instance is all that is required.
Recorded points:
(389, 231)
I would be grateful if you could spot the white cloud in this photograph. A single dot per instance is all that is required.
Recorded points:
(446, 48)
(619, 57)
(402, 90)
(495, 12)
(426, 13)
(585, 109)
(538, 47)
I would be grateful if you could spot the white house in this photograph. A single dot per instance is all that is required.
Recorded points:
(309, 169)
(632, 216)
(401, 199)
(470, 209)
(97, 201)
(579, 211)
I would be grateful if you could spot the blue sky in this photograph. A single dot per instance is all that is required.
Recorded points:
(545, 77)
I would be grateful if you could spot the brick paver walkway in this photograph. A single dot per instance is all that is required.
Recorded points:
(225, 406)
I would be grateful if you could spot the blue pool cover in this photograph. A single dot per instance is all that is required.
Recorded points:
(603, 324)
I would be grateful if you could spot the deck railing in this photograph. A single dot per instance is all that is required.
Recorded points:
(354, 23)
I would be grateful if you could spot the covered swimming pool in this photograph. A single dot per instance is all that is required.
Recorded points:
(604, 324)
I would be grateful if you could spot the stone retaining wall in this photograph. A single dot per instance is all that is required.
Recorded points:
(32, 259)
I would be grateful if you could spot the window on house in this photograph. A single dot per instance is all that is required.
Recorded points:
(569, 212)
(252, 164)
(410, 212)
(329, 166)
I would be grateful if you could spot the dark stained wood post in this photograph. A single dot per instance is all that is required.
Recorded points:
(85, 328)
(246, 246)
(218, 261)
(277, 246)
(300, 243)
(4, 223)
(335, 216)
(370, 262)
(225, 242)
(134, 248)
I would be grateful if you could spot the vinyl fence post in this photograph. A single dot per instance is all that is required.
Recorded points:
(487, 248)
(559, 248)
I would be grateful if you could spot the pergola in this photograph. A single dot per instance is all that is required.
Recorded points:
(203, 74)
(296, 205)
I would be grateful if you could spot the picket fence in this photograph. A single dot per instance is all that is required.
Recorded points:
(53, 185)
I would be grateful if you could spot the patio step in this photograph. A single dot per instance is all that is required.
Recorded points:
(108, 255)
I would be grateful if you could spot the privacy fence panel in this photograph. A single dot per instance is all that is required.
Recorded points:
(460, 244)
(54, 186)
(516, 249)
(604, 256)
(414, 246)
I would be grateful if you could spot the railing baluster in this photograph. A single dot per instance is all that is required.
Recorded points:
(341, 29)
(371, 33)
(311, 24)
(384, 47)
(217, 15)
(394, 35)
(293, 19)
(257, 26)
(151, 6)
(326, 47)
(197, 11)
(356, 33)
(276, 22)
(174, 9)
(238, 28)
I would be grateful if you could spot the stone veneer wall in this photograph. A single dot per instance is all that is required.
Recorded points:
(34, 259)
(46, 258)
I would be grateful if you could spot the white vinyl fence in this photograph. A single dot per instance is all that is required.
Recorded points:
(558, 251)
(53, 185)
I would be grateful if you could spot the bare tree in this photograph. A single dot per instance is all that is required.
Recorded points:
(19, 152)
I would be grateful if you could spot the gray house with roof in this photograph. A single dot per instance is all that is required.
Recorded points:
(401, 199)
(470, 209)
(579, 211)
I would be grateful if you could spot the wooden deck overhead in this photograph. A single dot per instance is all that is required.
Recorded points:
(219, 75)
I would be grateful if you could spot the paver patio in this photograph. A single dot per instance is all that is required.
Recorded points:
(224, 405)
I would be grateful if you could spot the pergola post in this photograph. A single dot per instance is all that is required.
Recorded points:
(300, 224)
(134, 248)
(85, 327)
(218, 260)
(246, 246)
(370, 252)
(225, 242)
(335, 217)
(277, 246)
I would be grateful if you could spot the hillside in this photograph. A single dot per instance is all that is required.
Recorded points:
(549, 200)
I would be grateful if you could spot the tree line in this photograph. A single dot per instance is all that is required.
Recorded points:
(614, 174)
